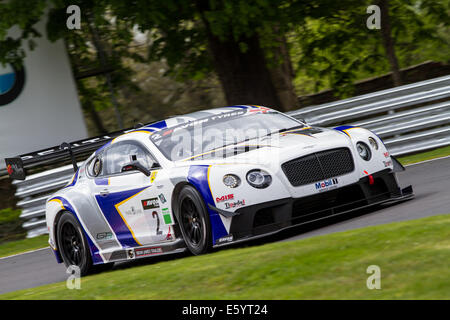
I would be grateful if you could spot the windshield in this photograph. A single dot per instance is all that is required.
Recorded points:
(201, 136)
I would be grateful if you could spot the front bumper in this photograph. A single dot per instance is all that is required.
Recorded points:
(270, 217)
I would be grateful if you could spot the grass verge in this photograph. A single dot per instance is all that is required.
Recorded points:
(428, 155)
(12, 235)
(20, 246)
(413, 256)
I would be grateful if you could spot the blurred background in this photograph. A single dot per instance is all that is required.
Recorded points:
(152, 59)
(145, 60)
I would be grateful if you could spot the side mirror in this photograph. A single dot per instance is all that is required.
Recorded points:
(135, 165)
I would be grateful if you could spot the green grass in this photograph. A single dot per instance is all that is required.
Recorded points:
(436, 153)
(14, 247)
(12, 235)
(414, 257)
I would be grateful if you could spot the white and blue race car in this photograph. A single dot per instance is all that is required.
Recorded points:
(212, 178)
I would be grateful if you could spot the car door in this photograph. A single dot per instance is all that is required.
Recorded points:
(127, 197)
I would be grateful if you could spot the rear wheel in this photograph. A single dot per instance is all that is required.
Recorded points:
(194, 222)
(72, 244)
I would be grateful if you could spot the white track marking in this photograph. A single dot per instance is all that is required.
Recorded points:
(412, 164)
(19, 254)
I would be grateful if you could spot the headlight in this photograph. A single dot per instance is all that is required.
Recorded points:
(373, 143)
(259, 178)
(231, 180)
(363, 150)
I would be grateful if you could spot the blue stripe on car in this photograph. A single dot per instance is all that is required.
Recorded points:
(101, 181)
(343, 128)
(198, 177)
(74, 180)
(157, 125)
(115, 220)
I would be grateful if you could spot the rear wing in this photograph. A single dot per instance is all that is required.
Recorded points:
(17, 166)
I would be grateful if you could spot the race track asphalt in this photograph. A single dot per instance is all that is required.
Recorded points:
(430, 180)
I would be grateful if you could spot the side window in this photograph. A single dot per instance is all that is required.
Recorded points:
(94, 167)
(117, 156)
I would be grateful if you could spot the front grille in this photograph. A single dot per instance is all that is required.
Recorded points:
(318, 166)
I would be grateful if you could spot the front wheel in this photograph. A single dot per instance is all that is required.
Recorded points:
(194, 221)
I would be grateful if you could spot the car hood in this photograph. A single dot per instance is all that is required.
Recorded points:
(278, 148)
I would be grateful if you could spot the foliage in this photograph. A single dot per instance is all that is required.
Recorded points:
(336, 48)
(330, 44)
(10, 225)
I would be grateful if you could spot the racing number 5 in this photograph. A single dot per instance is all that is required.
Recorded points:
(154, 213)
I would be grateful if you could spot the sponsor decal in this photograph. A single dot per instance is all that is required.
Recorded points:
(142, 252)
(160, 186)
(133, 211)
(387, 163)
(191, 124)
(225, 198)
(386, 154)
(104, 236)
(169, 235)
(327, 184)
(259, 110)
(14, 169)
(225, 239)
(166, 216)
(11, 83)
(162, 198)
(151, 203)
(236, 204)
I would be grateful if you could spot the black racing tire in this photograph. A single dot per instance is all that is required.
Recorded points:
(72, 244)
(193, 219)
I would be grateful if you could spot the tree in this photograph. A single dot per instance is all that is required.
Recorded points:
(237, 39)
(336, 48)
(98, 49)
(388, 42)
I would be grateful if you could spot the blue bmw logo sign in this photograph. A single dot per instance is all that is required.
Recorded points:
(11, 83)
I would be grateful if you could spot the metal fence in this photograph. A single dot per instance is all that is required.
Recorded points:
(409, 118)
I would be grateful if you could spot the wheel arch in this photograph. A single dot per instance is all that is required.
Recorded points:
(198, 178)
(174, 203)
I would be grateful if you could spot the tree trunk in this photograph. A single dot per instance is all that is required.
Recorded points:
(282, 75)
(96, 119)
(388, 42)
(101, 54)
(244, 76)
